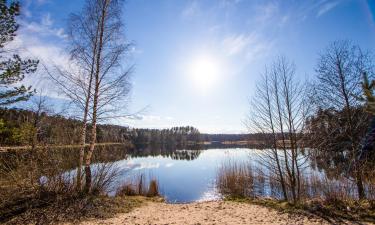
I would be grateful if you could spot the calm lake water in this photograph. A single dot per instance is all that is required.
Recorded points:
(184, 176)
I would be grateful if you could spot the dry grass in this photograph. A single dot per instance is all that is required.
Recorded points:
(76, 209)
(330, 199)
(139, 186)
(235, 180)
(153, 189)
(54, 199)
(34, 187)
(354, 212)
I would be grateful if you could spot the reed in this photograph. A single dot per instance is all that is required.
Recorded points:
(139, 185)
(235, 180)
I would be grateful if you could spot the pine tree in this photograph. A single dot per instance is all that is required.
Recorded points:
(368, 95)
(12, 68)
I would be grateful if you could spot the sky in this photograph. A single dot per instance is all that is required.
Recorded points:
(197, 62)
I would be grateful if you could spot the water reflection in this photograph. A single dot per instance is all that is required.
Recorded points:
(165, 151)
(183, 175)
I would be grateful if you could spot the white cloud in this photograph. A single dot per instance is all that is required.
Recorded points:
(250, 45)
(228, 3)
(42, 29)
(266, 12)
(235, 44)
(150, 121)
(44, 42)
(150, 118)
(46, 20)
(191, 9)
(326, 7)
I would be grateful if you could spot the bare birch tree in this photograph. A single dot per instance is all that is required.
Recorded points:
(278, 110)
(75, 80)
(96, 81)
(110, 81)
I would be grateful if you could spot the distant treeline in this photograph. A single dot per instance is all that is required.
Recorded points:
(225, 137)
(176, 137)
(20, 127)
(23, 127)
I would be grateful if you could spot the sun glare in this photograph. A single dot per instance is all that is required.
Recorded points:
(204, 71)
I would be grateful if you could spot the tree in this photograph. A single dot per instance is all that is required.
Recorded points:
(110, 82)
(278, 111)
(12, 68)
(335, 95)
(368, 94)
(76, 82)
(97, 81)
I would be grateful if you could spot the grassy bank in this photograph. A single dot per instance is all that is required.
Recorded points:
(74, 210)
(319, 196)
(357, 212)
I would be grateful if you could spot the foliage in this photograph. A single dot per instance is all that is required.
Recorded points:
(12, 68)
(368, 93)
(327, 132)
(16, 128)
(176, 137)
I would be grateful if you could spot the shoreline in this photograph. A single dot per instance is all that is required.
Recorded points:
(204, 213)
(131, 210)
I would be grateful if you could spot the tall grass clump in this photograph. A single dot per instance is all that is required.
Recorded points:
(139, 185)
(235, 180)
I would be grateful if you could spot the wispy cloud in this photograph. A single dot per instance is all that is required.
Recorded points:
(266, 11)
(191, 10)
(235, 44)
(149, 118)
(150, 121)
(249, 45)
(43, 41)
(227, 3)
(326, 7)
(46, 20)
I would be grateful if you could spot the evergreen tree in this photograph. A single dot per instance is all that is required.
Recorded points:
(12, 67)
(368, 95)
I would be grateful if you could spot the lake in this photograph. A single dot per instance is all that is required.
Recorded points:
(184, 175)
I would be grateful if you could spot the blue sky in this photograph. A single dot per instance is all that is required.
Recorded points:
(230, 40)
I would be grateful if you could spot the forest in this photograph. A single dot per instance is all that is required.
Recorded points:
(28, 128)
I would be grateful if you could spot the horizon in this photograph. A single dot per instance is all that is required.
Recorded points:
(176, 42)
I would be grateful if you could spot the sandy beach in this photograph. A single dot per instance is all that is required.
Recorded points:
(204, 213)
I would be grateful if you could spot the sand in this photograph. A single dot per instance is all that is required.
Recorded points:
(202, 213)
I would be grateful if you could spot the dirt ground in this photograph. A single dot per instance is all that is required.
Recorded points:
(202, 213)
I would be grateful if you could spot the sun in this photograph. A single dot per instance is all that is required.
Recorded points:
(204, 71)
